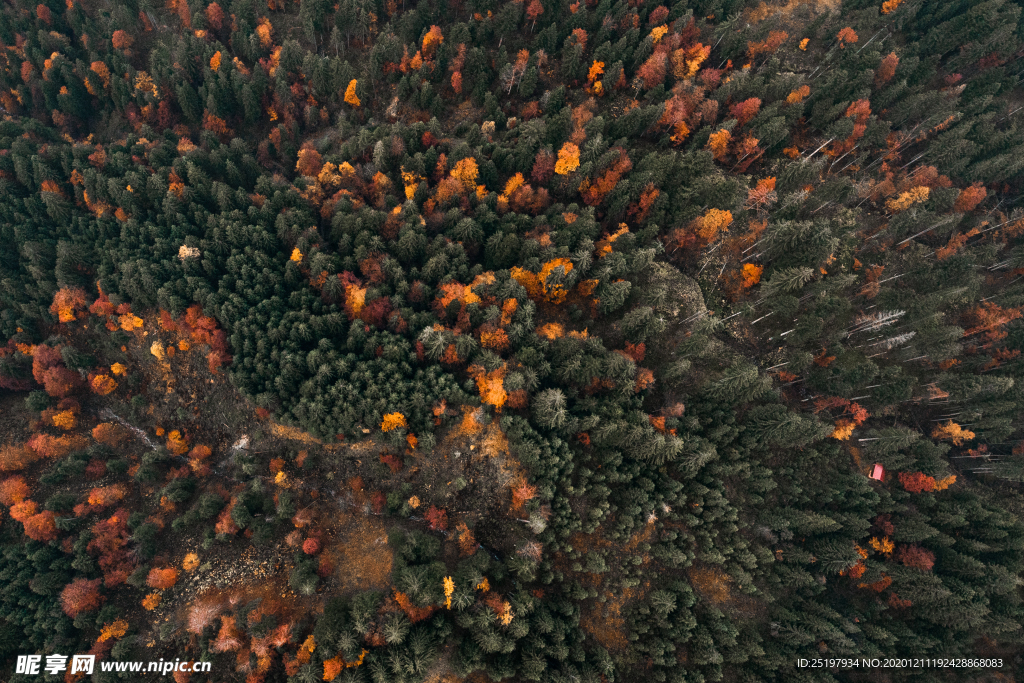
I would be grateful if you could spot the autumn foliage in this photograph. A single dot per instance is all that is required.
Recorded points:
(969, 198)
(68, 303)
(431, 41)
(437, 518)
(745, 110)
(162, 578)
(951, 431)
(916, 556)
(41, 527)
(81, 595)
(49, 370)
(917, 482)
(886, 68)
(111, 544)
(110, 433)
(846, 36)
(350, 94)
(13, 490)
(568, 159)
(121, 39)
(718, 143)
(392, 421)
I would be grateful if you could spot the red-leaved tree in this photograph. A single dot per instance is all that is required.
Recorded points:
(543, 166)
(110, 543)
(745, 110)
(916, 556)
(437, 517)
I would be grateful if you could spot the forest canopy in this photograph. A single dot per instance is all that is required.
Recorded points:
(604, 340)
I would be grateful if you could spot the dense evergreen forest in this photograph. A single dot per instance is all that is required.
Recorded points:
(469, 340)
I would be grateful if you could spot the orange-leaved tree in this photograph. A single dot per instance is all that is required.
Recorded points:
(652, 72)
(846, 36)
(718, 143)
(109, 433)
(309, 162)
(350, 94)
(491, 385)
(886, 69)
(917, 482)
(393, 421)
(751, 274)
(107, 495)
(81, 595)
(969, 198)
(68, 304)
(102, 385)
(431, 41)
(162, 578)
(13, 490)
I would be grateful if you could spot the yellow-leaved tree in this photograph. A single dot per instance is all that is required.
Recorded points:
(392, 421)
(568, 159)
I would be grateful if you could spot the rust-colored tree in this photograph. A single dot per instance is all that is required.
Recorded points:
(768, 45)
(107, 495)
(229, 637)
(46, 446)
(595, 192)
(80, 596)
(969, 198)
(915, 556)
(886, 69)
(989, 318)
(41, 527)
(543, 166)
(745, 110)
(437, 518)
(14, 457)
(13, 490)
(846, 36)
(467, 541)
(110, 543)
(48, 369)
(121, 40)
(310, 162)
(652, 72)
(214, 16)
(534, 10)
(110, 434)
